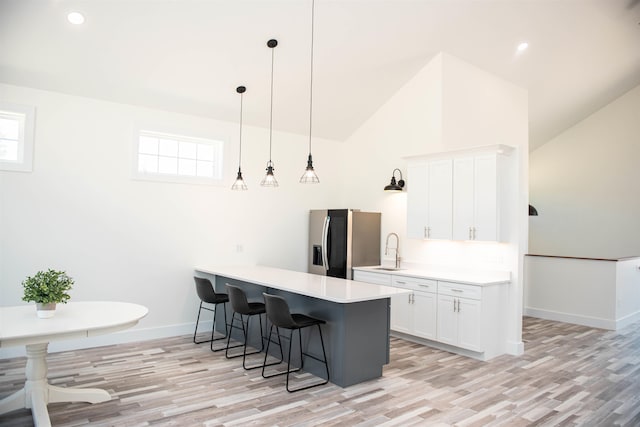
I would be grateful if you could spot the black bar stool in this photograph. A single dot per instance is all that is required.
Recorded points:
(208, 295)
(280, 316)
(241, 306)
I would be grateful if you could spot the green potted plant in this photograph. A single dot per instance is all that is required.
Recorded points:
(46, 289)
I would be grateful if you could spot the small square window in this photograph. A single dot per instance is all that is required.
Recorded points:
(175, 158)
(16, 137)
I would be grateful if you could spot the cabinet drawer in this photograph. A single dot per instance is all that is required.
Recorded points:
(415, 283)
(459, 290)
(370, 277)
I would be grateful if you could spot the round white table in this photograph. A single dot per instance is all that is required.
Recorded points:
(19, 325)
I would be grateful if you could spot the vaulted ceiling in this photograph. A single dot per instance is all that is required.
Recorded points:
(188, 56)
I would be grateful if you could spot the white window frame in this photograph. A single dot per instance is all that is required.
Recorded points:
(25, 114)
(177, 178)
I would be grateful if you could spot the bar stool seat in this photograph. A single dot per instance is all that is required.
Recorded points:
(242, 307)
(208, 295)
(280, 316)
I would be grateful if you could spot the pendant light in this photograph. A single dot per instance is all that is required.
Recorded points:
(269, 179)
(309, 176)
(239, 184)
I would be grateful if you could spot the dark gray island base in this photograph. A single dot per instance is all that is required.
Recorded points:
(356, 334)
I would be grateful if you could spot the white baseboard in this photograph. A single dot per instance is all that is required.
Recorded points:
(515, 348)
(576, 319)
(440, 346)
(130, 335)
(627, 320)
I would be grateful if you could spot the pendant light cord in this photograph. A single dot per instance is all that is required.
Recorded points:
(271, 112)
(311, 77)
(240, 151)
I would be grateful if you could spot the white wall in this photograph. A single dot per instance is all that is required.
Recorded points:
(448, 105)
(138, 241)
(125, 239)
(584, 184)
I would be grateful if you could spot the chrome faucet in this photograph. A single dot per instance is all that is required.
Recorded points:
(397, 248)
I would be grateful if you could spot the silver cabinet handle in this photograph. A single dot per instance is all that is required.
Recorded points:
(457, 290)
(426, 233)
(474, 233)
(470, 234)
(401, 283)
(424, 286)
(458, 306)
(454, 305)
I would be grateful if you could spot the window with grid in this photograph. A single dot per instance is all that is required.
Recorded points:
(179, 158)
(16, 137)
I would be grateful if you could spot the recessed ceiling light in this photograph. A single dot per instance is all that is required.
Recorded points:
(523, 46)
(75, 18)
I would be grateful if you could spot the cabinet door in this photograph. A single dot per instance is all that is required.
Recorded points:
(440, 207)
(463, 198)
(417, 195)
(486, 198)
(469, 324)
(425, 315)
(401, 310)
(447, 320)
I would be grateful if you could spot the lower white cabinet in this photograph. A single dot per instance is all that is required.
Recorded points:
(465, 316)
(424, 314)
(460, 315)
(415, 314)
(459, 322)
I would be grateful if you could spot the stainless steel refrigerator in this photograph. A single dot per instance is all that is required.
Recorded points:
(340, 239)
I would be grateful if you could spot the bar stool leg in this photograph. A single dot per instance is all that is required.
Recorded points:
(213, 330)
(266, 354)
(324, 355)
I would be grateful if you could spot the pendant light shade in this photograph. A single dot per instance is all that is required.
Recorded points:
(309, 176)
(269, 179)
(239, 184)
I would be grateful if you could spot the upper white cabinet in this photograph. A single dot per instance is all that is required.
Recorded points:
(429, 205)
(475, 198)
(457, 195)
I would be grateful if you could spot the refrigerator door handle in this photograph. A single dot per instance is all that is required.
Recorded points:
(325, 239)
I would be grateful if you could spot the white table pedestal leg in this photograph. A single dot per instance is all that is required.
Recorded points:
(37, 392)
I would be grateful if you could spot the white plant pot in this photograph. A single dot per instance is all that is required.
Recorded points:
(45, 311)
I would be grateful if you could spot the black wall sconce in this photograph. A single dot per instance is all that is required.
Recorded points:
(533, 211)
(395, 185)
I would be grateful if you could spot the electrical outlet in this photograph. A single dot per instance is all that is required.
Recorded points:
(239, 248)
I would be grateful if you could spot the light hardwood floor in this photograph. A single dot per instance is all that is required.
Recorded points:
(569, 375)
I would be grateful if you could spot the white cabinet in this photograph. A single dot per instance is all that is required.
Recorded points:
(460, 315)
(415, 314)
(429, 204)
(400, 319)
(470, 319)
(458, 196)
(475, 198)
(425, 306)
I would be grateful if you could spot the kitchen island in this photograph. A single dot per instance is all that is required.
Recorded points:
(357, 314)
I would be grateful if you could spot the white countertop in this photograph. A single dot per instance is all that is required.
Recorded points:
(327, 288)
(470, 277)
